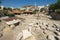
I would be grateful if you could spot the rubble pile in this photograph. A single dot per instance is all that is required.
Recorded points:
(45, 31)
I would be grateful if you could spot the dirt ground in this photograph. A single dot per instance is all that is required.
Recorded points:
(11, 34)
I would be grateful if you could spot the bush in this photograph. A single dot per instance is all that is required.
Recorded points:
(10, 15)
(42, 9)
(34, 12)
(0, 20)
(58, 11)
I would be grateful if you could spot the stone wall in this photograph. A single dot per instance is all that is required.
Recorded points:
(55, 15)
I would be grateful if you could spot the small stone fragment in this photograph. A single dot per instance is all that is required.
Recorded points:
(51, 37)
(56, 38)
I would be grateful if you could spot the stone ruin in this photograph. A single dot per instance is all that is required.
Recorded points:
(45, 31)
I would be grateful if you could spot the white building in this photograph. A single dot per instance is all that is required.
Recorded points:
(27, 8)
(22, 8)
(1, 7)
(40, 7)
(11, 7)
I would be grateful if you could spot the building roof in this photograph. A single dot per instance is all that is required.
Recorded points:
(10, 11)
(16, 11)
(28, 11)
(10, 19)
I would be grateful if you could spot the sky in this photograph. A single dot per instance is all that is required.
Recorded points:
(20, 3)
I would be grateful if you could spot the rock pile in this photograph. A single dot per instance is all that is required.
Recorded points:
(45, 31)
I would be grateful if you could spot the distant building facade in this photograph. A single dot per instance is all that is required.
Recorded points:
(40, 7)
(1, 7)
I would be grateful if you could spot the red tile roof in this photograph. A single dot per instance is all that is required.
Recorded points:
(28, 11)
(10, 19)
(16, 11)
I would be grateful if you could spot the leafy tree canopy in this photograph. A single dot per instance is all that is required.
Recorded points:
(56, 5)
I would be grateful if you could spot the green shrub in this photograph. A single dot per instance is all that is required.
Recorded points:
(0, 20)
(11, 15)
(35, 11)
(58, 11)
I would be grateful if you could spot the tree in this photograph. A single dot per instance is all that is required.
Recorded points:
(55, 6)
(55, 10)
(58, 1)
(42, 9)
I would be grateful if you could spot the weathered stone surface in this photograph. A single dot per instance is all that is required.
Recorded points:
(26, 34)
(58, 29)
(51, 37)
(58, 33)
(1, 35)
(41, 29)
(56, 38)
(51, 28)
(47, 32)
(19, 36)
(55, 33)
